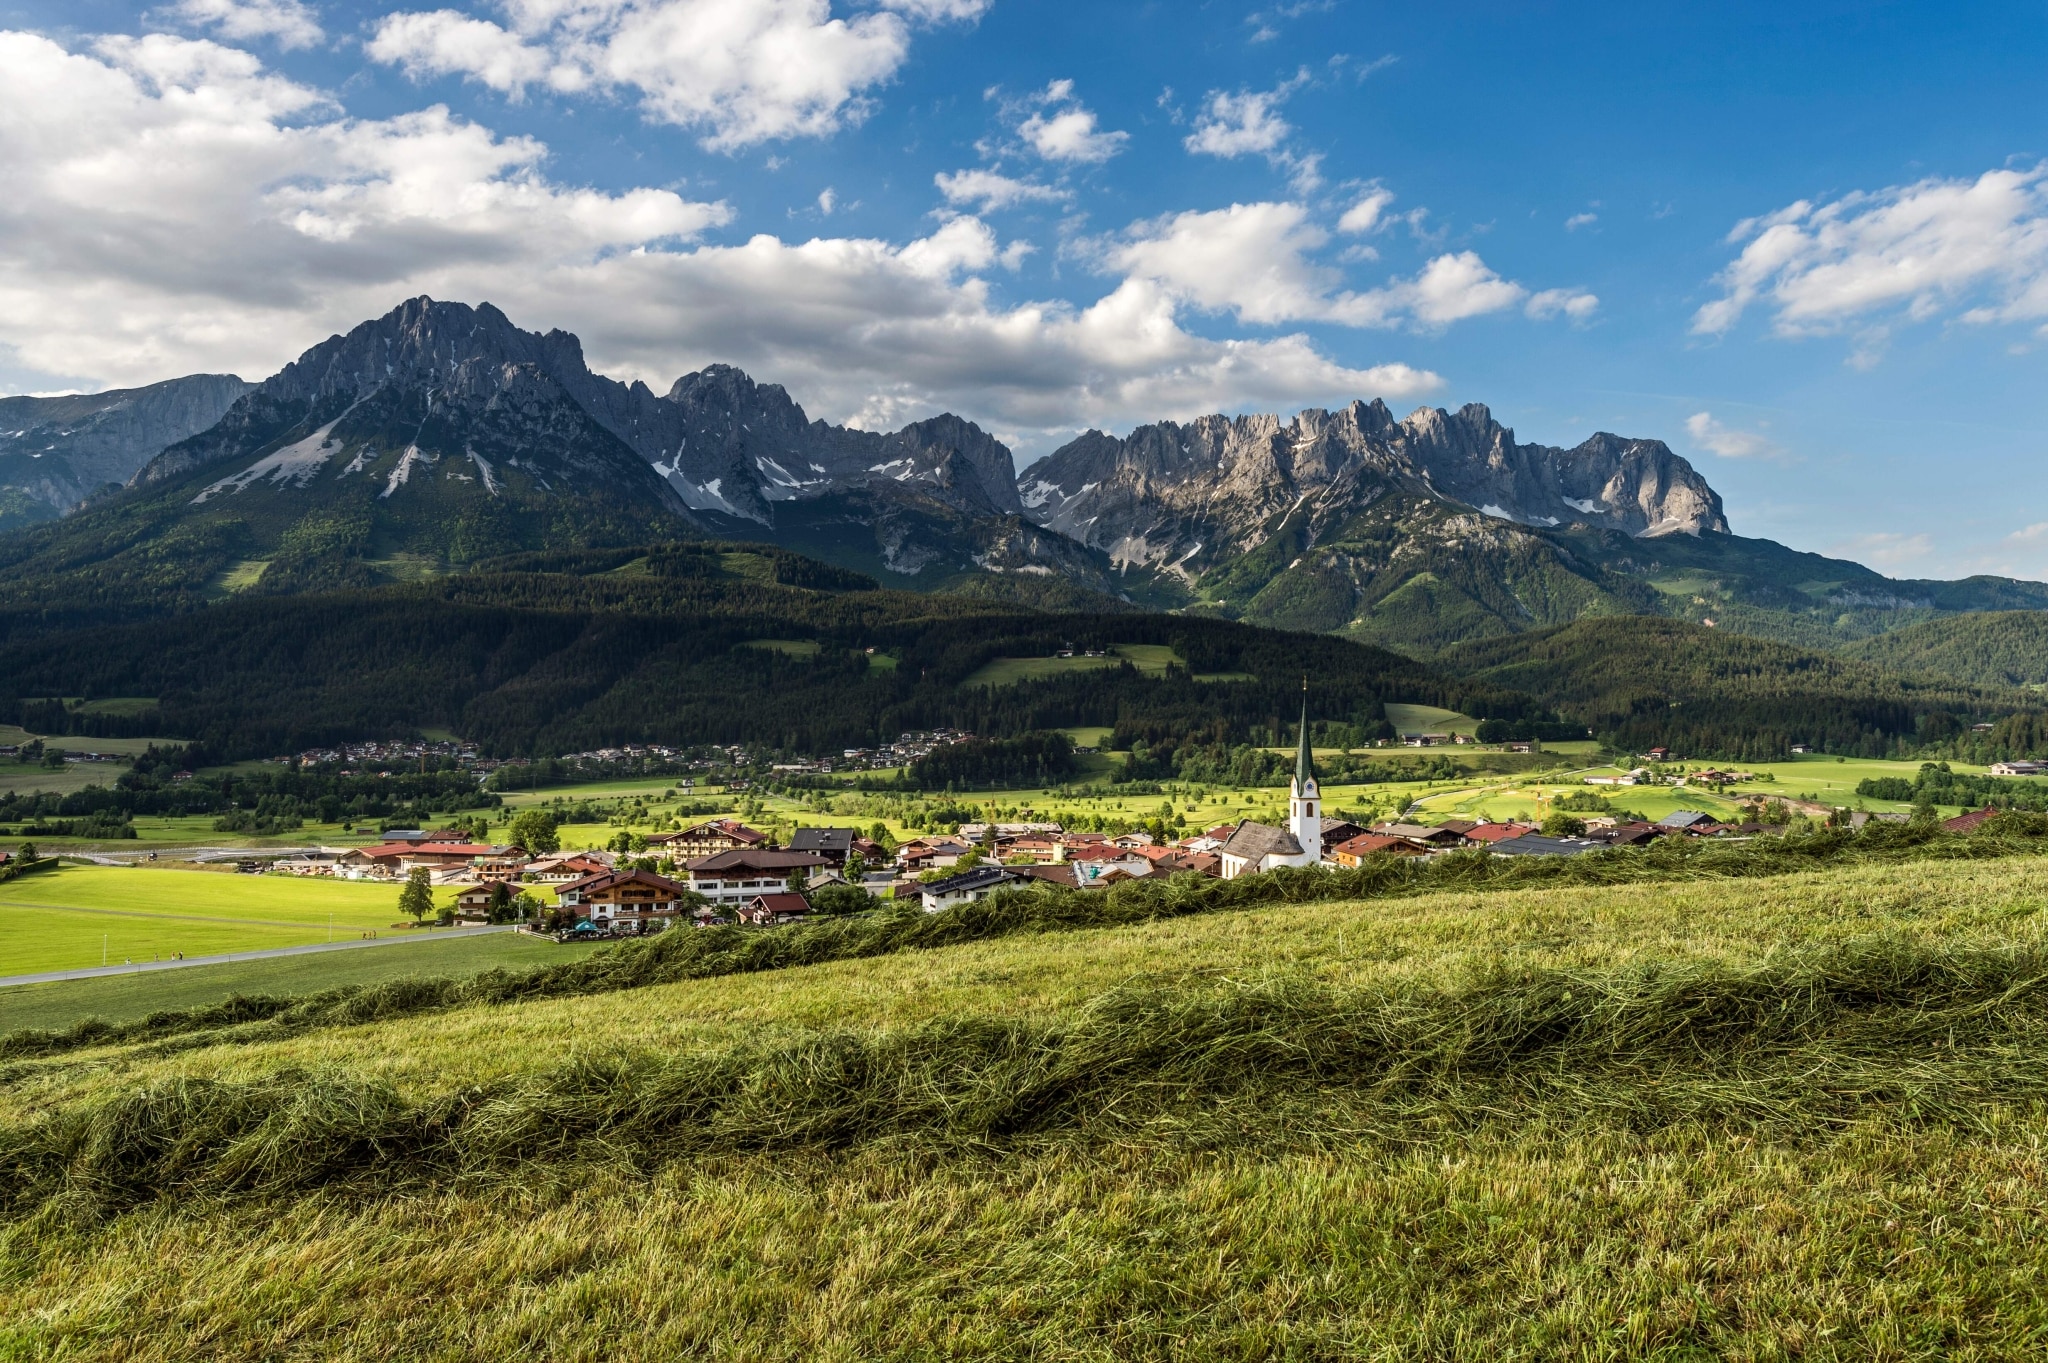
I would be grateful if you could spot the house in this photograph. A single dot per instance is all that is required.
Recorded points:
(1041, 851)
(1130, 842)
(1686, 820)
(1657, 755)
(475, 902)
(2018, 768)
(708, 839)
(638, 901)
(563, 869)
(1255, 847)
(1490, 833)
(966, 887)
(1438, 836)
(1059, 874)
(1354, 850)
(1536, 845)
(1970, 823)
(1340, 830)
(1634, 834)
(1802, 747)
(736, 876)
(766, 910)
(833, 844)
(1519, 745)
(1091, 864)
(931, 853)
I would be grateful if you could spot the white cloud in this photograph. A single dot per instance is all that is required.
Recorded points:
(444, 42)
(2032, 534)
(1063, 129)
(290, 22)
(1885, 550)
(281, 220)
(828, 199)
(1728, 442)
(1568, 302)
(1246, 122)
(1975, 248)
(1255, 260)
(743, 71)
(992, 191)
(1578, 220)
(1368, 214)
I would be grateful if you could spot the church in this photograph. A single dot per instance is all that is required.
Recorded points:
(1256, 847)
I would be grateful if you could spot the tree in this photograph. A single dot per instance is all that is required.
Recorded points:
(1561, 825)
(536, 831)
(416, 900)
(836, 899)
(500, 910)
(28, 852)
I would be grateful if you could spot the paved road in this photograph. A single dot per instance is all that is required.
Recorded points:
(140, 966)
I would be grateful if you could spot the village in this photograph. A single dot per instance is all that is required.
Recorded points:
(722, 871)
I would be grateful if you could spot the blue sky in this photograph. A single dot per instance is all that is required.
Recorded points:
(1805, 244)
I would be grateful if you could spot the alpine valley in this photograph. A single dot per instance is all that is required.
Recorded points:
(443, 438)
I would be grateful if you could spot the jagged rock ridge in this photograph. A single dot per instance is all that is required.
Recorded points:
(57, 452)
(1182, 496)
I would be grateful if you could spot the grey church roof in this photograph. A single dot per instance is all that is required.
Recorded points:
(1253, 841)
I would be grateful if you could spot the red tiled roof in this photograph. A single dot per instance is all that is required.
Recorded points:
(1964, 823)
(1497, 832)
(1106, 852)
(1365, 844)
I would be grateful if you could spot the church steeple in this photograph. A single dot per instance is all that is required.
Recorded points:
(1305, 801)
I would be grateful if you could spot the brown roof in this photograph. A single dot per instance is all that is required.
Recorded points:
(780, 903)
(1964, 823)
(1254, 841)
(610, 878)
(1497, 832)
(1365, 844)
(753, 859)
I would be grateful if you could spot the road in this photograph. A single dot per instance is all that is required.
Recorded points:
(137, 968)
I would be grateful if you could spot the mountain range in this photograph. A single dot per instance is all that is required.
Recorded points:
(442, 436)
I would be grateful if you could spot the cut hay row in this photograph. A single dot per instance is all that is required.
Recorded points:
(681, 955)
(1919, 1034)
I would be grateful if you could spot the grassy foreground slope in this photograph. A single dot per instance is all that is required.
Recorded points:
(1798, 1116)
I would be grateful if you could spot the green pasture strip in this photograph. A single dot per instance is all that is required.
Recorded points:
(1429, 719)
(1923, 1035)
(1503, 1240)
(794, 648)
(124, 998)
(683, 954)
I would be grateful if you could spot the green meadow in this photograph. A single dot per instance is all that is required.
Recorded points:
(76, 917)
(1785, 1117)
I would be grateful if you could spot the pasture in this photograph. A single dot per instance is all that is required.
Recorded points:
(1066, 1146)
(1428, 719)
(75, 917)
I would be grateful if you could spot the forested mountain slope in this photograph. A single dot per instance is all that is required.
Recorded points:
(1647, 681)
(623, 646)
(1994, 648)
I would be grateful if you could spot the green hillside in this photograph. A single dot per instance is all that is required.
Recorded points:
(1643, 681)
(1453, 1119)
(1992, 648)
(569, 651)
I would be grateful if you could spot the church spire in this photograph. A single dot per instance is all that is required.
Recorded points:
(1304, 760)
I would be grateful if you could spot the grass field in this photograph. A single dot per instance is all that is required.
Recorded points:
(1428, 719)
(80, 916)
(120, 998)
(1642, 1200)
(794, 648)
(1150, 659)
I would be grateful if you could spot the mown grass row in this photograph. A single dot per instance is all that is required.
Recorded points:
(702, 953)
(1925, 1034)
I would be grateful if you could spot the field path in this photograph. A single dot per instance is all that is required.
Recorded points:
(52, 976)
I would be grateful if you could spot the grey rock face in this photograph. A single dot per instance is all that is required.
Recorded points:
(60, 451)
(1178, 496)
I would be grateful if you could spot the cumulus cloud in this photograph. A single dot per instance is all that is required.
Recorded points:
(1368, 214)
(1064, 129)
(1976, 249)
(282, 220)
(989, 191)
(1256, 260)
(1566, 302)
(1248, 123)
(1728, 442)
(1578, 220)
(289, 23)
(742, 71)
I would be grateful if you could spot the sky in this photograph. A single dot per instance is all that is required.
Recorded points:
(1805, 244)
